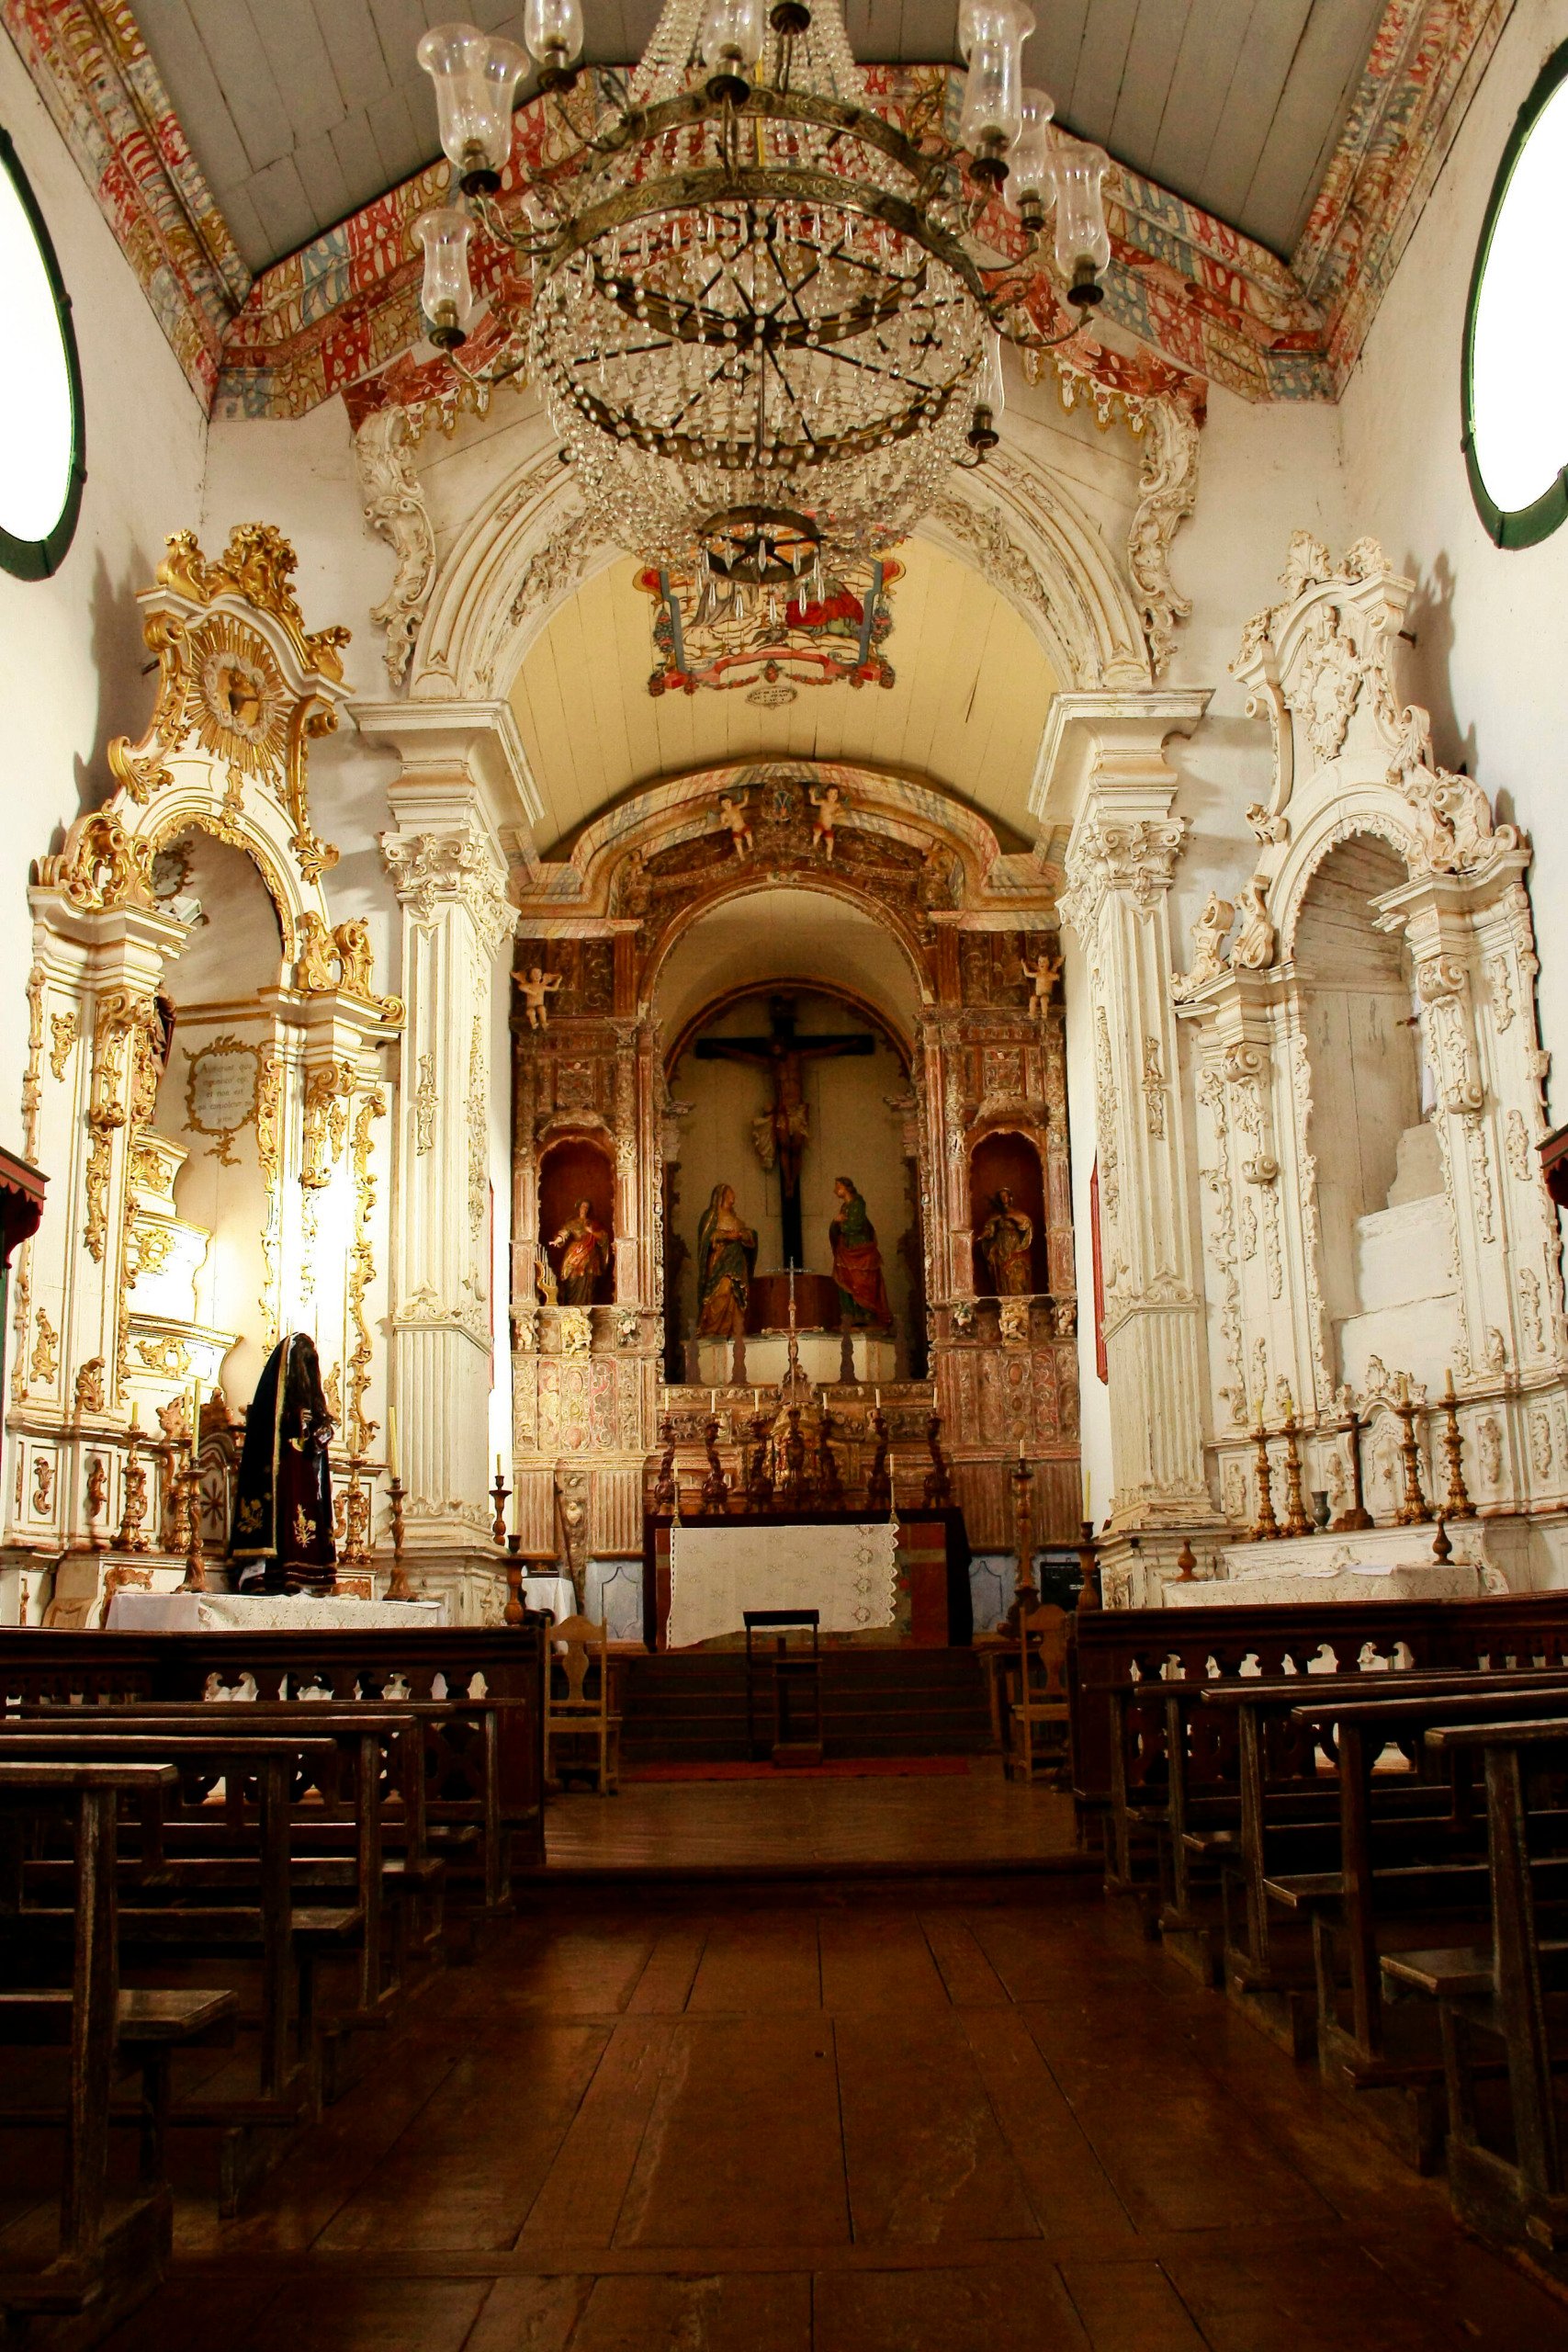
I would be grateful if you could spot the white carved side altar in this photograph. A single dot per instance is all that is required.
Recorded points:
(849, 1575)
(1381, 1563)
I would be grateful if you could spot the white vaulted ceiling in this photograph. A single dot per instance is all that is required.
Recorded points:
(966, 711)
(299, 111)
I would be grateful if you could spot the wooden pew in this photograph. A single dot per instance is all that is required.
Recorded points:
(496, 1791)
(1509, 1995)
(106, 2259)
(1385, 1877)
(1112, 1648)
(182, 1918)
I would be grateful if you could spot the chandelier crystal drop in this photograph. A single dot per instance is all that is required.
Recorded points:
(758, 320)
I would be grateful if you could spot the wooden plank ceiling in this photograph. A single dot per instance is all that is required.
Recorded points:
(967, 707)
(299, 111)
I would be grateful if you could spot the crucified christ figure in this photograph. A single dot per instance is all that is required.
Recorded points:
(783, 1128)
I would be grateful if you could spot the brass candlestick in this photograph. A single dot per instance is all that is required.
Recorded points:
(1296, 1519)
(129, 1535)
(498, 1495)
(829, 1485)
(716, 1485)
(194, 1579)
(399, 1588)
(355, 1517)
(1024, 1593)
(760, 1478)
(1265, 1528)
(939, 1486)
(1456, 1503)
(514, 1613)
(1089, 1592)
(178, 1501)
(792, 1486)
(1415, 1510)
(878, 1486)
(664, 1492)
(1357, 1516)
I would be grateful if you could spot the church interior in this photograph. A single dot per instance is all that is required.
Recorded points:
(783, 1505)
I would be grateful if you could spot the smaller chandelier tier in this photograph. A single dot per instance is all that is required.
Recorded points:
(756, 321)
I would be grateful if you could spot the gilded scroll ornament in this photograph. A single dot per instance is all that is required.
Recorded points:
(327, 1091)
(89, 1386)
(361, 1273)
(258, 565)
(102, 865)
(64, 1028)
(46, 1348)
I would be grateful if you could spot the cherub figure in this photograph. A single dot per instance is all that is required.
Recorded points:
(1042, 976)
(827, 804)
(734, 814)
(536, 985)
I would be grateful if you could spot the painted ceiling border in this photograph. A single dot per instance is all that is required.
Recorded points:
(341, 315)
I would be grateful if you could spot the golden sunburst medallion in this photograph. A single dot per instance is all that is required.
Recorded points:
(242, 702)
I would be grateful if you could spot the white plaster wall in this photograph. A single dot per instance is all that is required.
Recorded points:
(71, 649)
(301, 474)
(1489, 657)
(1264, 471)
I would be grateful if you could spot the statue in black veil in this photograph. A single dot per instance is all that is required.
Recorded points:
(283, 1498)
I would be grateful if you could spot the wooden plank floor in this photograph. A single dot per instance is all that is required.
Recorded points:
(975, 1818)
(862, 2127)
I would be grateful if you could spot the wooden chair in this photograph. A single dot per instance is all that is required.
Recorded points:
(577, 1646)
(1041, 1702)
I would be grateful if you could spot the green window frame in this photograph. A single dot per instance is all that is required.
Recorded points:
(1520, 526)
(37, 559)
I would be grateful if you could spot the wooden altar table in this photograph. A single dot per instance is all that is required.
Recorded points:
(932, 1563)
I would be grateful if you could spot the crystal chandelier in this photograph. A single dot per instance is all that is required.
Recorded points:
(760, 320)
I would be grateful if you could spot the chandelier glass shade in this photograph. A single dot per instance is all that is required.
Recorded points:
(757, 322)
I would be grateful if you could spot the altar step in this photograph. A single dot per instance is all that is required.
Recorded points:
(874, 1703)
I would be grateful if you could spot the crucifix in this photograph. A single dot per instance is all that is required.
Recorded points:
(783, 1130)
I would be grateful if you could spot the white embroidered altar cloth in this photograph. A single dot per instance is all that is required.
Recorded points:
(848, 1574)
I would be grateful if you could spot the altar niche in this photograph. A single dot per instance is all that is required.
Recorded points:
(835, 1100)
(1389, 1284)
(1007, 1209)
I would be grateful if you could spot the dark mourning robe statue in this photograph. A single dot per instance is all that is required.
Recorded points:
(283, 1499)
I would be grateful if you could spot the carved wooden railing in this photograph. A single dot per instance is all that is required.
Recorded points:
(450, 1663)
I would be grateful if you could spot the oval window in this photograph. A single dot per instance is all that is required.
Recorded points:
(1515, 331)
(41, 469)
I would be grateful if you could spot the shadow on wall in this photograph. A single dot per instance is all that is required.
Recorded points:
(125, 671)
(1430, 622)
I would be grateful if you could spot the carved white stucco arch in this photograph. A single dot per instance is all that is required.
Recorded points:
(528, 546)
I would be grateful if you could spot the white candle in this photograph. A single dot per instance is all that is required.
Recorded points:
(195, 1416)
(712, 1401)
(392, 1441)
(498, 1469)
(1088, 1512)
(879, 1400)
